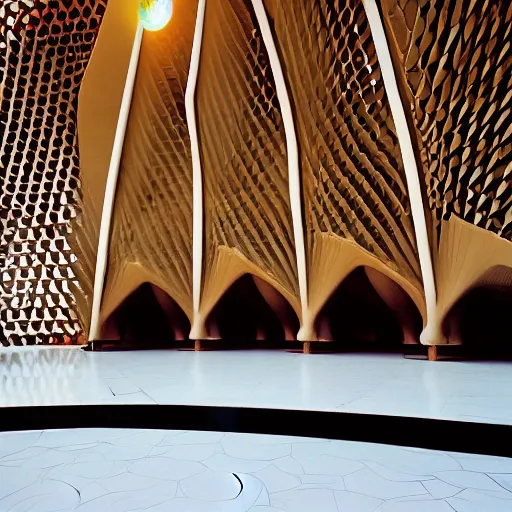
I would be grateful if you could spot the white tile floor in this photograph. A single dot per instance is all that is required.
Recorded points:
(127, 470)
(365, 383)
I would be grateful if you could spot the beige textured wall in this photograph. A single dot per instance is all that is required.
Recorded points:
(99, 104)
(356, 205)
(151, 237)
(248, 227)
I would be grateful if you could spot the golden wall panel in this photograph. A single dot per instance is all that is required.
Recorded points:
(454, 63)
(98, 112)
(356, 204)
(44, 50)
(151, 238)
(248, 225)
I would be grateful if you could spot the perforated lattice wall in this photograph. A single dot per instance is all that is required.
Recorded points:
(45, 46)
(455, 61)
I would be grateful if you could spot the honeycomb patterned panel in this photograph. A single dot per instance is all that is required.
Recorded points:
(455, 62)
(45, 46)
(247, 206)
(353, 177)
(152, 223)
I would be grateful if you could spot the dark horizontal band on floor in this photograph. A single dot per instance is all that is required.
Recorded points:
(445, 435)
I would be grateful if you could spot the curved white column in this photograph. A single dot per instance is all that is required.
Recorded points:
(197, 331)
(431, 334)
(111, 185)
(306, 331)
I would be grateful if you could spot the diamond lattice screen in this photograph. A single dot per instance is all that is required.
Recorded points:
(454, 63)
(44, 49)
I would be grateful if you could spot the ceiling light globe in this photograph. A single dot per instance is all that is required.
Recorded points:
(155, 14)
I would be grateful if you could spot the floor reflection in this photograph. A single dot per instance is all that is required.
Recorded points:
(45, 376)
(360, 383)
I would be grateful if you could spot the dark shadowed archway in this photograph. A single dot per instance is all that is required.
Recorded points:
(243, 315)
(480, 320)
(369, 308)
(147, 316)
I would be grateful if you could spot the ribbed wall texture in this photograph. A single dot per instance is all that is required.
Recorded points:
(455, 59)
(151, 237)
(44, 50)
(353, 179)
(248, 226)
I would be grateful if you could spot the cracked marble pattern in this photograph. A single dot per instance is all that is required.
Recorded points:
(119, 470)
(361, 383)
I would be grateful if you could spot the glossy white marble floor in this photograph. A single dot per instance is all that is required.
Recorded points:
(127, 470)
(364, 383)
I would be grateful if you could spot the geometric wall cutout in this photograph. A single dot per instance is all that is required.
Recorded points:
(454, 64)
(482, 313)
(249, 310)
(148, 315)
(44, 50)
(366, 316)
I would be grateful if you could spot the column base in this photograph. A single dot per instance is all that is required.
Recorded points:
(432, 353)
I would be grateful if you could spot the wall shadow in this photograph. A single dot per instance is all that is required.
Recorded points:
(147, 316)
(480, 320)
(358, 312)
(243, 315)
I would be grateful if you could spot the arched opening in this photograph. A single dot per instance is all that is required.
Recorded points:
(243, 316)
(147, 317)
(369, 309)
(480, 319)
